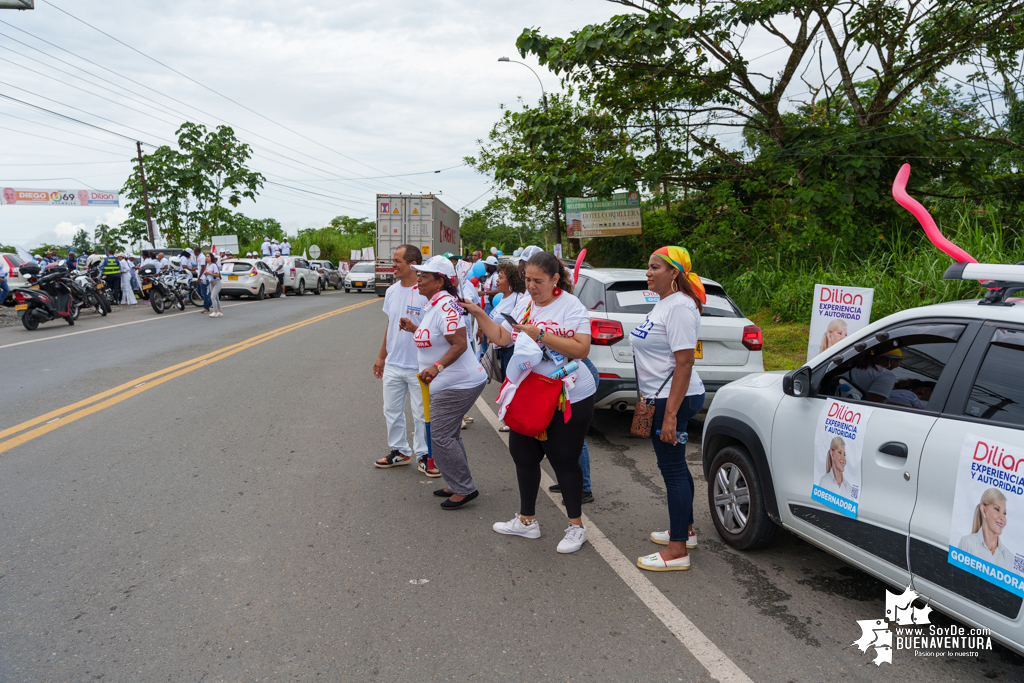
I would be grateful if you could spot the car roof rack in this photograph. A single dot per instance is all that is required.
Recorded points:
(1002, 280)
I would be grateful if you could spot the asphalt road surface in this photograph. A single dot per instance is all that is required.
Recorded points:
(192, 499)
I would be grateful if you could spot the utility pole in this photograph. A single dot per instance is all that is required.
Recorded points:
(145, 196)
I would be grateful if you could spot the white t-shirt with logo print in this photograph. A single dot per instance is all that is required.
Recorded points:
(564, 316)
(402, 302)
(442, 317)
(672, 325)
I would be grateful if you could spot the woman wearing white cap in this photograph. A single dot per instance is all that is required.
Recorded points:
(454, 376)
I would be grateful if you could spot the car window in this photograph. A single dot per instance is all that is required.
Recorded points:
(263, 266)
(902, 366)
(589, 293)
(236, 267)
(998, 391)
(362, 268)
(632, 296)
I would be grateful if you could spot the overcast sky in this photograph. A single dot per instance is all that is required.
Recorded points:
(397, 88)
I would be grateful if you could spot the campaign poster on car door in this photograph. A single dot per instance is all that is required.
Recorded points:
(838, 312)
(838, 450)
(986, 534)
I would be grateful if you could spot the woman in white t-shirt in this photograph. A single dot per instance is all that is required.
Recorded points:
(213, 282)
(560, 324)
(455, 377)
(511, 288)
(663, 349)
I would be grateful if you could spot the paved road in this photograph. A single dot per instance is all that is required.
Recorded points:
(213, 515)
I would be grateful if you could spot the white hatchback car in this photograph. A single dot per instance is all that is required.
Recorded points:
(360, 277)
(9, 264)
(247, 276)
(908, 466)
(618, 300)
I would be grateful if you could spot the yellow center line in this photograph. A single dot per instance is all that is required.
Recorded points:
(76, 411)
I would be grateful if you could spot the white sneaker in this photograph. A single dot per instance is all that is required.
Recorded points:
(663, 537)
(515, 527)
(214, 314)
(220, 314)
(656, 563)
(575, 537)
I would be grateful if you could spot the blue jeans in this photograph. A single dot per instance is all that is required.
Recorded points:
(204, 291)
(585, 454)
(672, 463)
(4, 289)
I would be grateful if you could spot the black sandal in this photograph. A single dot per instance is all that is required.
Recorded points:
(449, 505)
(443, 493)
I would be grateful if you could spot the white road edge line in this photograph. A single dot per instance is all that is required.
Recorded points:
(110, 327)
(693, 639)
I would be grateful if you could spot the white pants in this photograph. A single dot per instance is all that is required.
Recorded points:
(397, 383)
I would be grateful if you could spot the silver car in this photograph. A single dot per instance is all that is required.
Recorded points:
(618, 300)
(247, 276)
(329, 273)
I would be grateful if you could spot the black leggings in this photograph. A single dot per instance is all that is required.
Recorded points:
(563, 447)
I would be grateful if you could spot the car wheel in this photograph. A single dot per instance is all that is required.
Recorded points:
(260, 294)
(337, 285)
(737, 501)
(347, 290)
(318, 288)
(302, 288)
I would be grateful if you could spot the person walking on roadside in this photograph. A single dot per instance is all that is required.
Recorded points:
(201, 284)
(111, 271)
(453, 374)
(213, 282)
(663, 348)
(560, 324)
(397, 365)
(127, 295)
(277, 265)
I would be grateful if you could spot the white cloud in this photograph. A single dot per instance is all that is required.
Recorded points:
(67, 229)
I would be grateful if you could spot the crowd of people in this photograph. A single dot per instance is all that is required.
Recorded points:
(526, 315)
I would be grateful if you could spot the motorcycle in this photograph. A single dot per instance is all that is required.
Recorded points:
(92, 294)
(48, 296)
(185, 286)
(161, 289)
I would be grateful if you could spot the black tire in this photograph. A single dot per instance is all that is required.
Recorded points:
(156, 300)
(261, 294)
(179, 303)
(195, 298)
(318, 288)
(29, 321)
(106, 304)
(76, 310)
(347, 290)
(337, 285)
(737, 500)
(302, 288)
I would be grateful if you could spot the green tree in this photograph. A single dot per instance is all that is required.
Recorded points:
(189, 186)
(348, 225)
(80, 242)
(660, 91)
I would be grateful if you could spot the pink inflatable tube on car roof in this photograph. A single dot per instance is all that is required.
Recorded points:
(899, 193)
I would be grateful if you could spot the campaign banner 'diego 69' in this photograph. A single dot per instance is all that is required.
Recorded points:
(838, 451)
(14, 197)
(986, 534)
(837, 313)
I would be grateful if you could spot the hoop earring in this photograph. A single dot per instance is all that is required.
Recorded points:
(675, 285)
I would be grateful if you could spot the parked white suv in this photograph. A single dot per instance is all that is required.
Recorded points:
(618, 300)
(299, 277)
(907, 466)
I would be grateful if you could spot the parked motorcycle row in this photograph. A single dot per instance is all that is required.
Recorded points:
(55, 293)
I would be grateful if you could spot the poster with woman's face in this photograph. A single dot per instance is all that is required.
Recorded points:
(838, 446)
(838, 312)
(986, 532)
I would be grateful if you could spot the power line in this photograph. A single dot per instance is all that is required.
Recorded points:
(215, 92)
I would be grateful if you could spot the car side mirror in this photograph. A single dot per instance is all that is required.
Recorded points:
(797, 382)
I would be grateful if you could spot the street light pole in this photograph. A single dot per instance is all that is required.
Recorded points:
(544, 95)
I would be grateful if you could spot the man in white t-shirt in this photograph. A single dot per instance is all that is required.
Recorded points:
(286, 249)
(398, 366)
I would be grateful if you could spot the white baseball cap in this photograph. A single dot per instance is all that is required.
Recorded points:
(437, 264)
(530, 251)
(491, 260)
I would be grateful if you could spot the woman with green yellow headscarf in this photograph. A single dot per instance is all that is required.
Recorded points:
(663, 348)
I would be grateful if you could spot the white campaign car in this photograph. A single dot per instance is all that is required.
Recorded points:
(360, 277)
(964, 363)
(9, 264)
(617, 298)
(247, 276)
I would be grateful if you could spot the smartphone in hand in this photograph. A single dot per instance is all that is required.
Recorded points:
(511, 321)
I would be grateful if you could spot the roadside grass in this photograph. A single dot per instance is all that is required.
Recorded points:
(785, 343)
(905, 275)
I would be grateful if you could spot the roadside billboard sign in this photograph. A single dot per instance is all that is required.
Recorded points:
(15, 197)
(588, 217)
